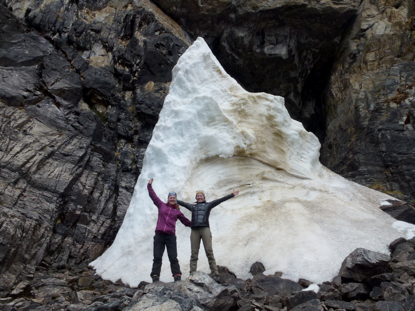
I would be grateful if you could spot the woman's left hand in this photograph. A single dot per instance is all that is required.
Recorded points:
(235, 192)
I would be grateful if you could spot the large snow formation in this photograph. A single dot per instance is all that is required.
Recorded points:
(292, 214)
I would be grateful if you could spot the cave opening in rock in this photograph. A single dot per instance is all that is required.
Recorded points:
(313, 113)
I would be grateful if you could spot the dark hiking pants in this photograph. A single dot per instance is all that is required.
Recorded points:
(161, 241)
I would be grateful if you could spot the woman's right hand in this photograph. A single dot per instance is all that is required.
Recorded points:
(150, 181)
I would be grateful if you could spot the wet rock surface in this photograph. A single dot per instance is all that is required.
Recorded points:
(78, 288)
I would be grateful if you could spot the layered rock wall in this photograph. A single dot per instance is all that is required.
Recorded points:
(370, 102)
(82, 85)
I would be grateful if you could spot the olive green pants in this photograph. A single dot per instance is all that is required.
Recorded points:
(204, 234)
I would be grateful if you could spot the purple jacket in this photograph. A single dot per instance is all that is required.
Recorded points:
(168, 215)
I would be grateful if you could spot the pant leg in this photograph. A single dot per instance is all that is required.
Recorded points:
(171, 245)
(207, 243)
(195, 245)
(158, 250)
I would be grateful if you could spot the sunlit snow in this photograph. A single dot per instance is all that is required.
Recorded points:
(402, 226)
(292, 213)
(313, 287)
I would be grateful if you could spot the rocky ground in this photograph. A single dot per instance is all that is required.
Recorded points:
(367, 281)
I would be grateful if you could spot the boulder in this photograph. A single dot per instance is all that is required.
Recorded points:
(328, 292)
(395, 243)
(311, 305)
(228, 277)
(304, 283)
(256, 268)
(338, 304)
(376, 293)
(389, 306)
(401, 211)
(404, 266)
(367, 305)
(403, 252)
(275, 285)
(154, 303)
(275, 301)
(361, 264)
(298, 298)
(393, 291)
(351, 291)
(384, 277)
(219, 297)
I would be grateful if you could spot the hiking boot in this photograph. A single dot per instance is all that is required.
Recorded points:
(177, 277)
(155, 278)
(216, 278)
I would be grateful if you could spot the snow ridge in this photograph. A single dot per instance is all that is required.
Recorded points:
(292, 214)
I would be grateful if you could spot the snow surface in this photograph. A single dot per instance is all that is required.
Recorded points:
(292, 214)
(405, 227)
(385, 203)
(312, 287)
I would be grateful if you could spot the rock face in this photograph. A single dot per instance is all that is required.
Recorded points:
(370, 100)
(81, 89)
(279, 47)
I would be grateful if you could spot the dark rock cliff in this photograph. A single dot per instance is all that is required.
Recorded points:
(83, 82)
(82, 85)
(283, 48)
(370, 100)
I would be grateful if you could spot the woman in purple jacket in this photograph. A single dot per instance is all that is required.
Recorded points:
(166, 233)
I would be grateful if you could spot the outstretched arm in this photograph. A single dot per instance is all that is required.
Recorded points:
(227, 197)
(184, 220)
(186, 205)
(152, 194)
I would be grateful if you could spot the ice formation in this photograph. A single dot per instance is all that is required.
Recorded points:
(292, 213)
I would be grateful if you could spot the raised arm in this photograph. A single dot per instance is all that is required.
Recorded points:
(185, 205)
(223, 199)
(153, 195)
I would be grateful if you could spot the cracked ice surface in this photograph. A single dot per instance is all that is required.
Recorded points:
(292, 214)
